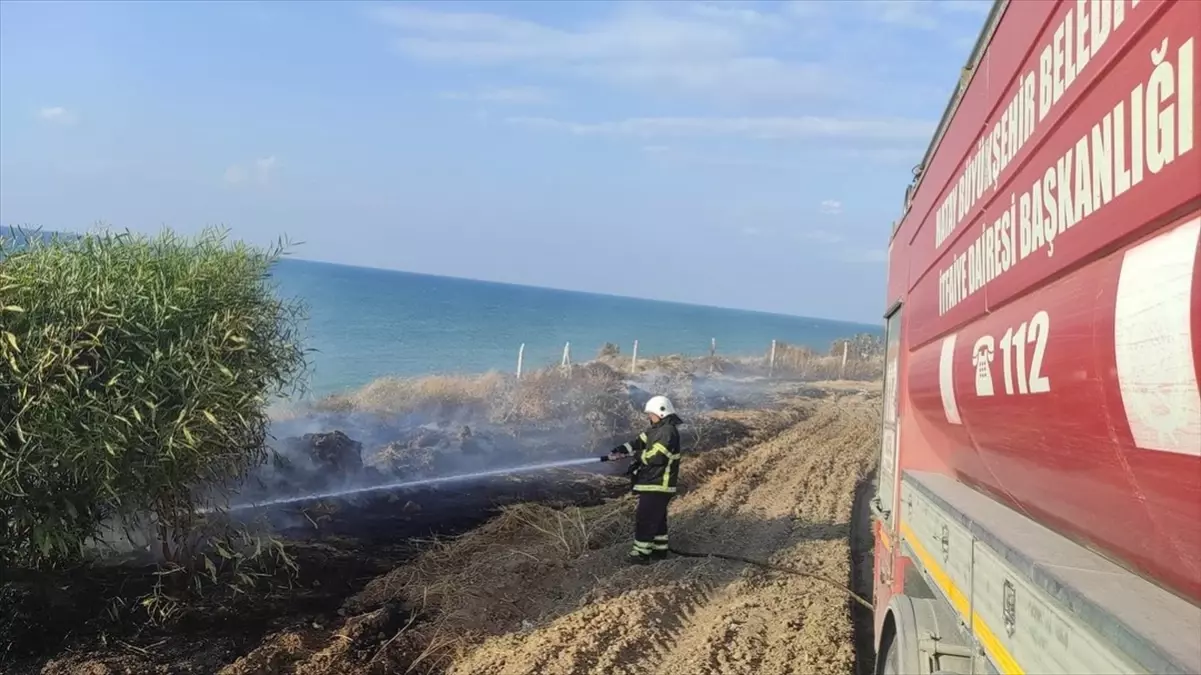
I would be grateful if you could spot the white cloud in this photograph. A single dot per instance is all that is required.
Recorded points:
(830, 207)
(506, 95)
(906, 155)
(919, 14)
(819, 235)
(744, 127)
(260, 171)
(871, 255)
(738, 12)
(735, 78)
(673, 156)
(490, 38)
(925, 15)
(236, 174)
(711, 49)
(980, 7)
(57, 115)
(809, 10)
(922, 15)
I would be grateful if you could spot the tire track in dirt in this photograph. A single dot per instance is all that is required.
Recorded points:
(786, 499)
(810, 472)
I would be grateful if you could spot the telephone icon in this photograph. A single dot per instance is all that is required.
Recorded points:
(982, 357)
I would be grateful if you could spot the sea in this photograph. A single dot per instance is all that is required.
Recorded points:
(364, 323)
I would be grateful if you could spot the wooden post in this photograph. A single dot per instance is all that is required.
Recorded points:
(771, 363)
(634, 361)
(520, 359)
(843, 373)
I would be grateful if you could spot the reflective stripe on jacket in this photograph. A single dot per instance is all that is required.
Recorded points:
(658, 451)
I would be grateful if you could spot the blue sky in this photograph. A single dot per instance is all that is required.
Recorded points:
(741, 154)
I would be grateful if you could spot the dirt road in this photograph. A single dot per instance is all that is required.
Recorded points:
(787, 500)
(541, 590)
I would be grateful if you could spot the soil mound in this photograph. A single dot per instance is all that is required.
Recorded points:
(334, 451)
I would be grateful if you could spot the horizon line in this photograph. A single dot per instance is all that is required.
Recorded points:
(582, 292)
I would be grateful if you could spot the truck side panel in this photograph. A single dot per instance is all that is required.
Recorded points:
(1053, 329)
(1033, 601)
(1114, 157)
(980, 104)
(1053, 437)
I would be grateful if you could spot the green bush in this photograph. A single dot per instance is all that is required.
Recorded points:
(135, 374)
(609, 351)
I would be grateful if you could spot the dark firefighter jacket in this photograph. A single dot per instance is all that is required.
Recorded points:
(657, 455)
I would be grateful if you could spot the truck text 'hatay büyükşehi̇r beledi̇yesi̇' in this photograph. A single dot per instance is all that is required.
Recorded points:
(1145, 131)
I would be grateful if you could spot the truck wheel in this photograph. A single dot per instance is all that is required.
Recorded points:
(890, 656)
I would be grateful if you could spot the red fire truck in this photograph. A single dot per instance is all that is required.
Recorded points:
(1038, 502)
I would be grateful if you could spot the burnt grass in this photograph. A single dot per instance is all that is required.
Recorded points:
(338, 546)
(89, 620)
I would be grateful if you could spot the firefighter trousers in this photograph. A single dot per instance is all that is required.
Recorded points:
(650, 524)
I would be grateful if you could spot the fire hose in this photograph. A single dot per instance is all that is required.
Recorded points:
(633, 468)
(779, 568)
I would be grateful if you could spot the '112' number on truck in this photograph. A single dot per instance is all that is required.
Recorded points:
(1013, 357)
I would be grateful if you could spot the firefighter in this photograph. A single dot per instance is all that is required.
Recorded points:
(656, 470)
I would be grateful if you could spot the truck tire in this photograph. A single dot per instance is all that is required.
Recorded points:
(890, 656)
(898, 653)
(901, 652)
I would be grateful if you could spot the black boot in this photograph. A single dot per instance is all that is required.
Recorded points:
(659, 555)
(638, 559)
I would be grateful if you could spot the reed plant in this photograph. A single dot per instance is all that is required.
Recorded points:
(135, 374)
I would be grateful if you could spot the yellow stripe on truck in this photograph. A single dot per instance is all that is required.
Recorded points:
(1000, 655)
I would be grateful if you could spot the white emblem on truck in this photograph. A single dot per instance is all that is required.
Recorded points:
(982, 356)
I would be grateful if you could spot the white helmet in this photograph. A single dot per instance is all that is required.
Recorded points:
(659, 405)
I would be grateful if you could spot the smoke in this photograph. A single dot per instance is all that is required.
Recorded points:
(329, 452)
(358, 456)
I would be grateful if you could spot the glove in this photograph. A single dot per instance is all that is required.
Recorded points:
(617, 453)
(632, 473)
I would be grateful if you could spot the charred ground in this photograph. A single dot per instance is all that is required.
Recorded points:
(464, 577)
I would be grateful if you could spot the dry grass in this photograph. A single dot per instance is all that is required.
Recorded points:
(678, 364)
(493, 580)
(806, 364)
(592, 393)
(397, 395)
(477, 584)
(791, 361)
(569, 533)
(517, 574)
(453, 574)
(421, 617)
(593, 389)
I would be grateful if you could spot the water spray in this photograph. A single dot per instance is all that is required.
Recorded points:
(419, 483)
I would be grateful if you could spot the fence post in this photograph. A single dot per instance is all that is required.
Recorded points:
(771, 364)
(843, 373)
(520, 359)
(634, 361)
